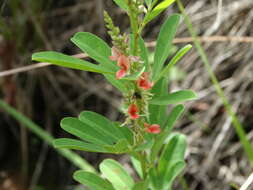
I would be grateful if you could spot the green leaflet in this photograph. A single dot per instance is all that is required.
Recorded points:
(119, 148)
(157, 10)
(84, 131)
(164, 41)
(172, 153)
(122, 4)
(142, 185)
(68, 61)
(144, 146)
(172, 118)
(95, 47)
(134, 76)
(119, 84)
(128, 134)
(148, 2)
(174, 60)
(77, 145)
(99, 134)
(98, 50)
(93, 181)
(174, 98)
(102, 124)
(157, 112)
(116, 174)
(173, 172)
(137, 166)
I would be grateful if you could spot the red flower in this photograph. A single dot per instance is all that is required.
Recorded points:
(115, 54)
(122, 61)
(154, 128)
(143, 81)
(133, 111)
(124, 64)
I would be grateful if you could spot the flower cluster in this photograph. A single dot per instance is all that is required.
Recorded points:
(143, 83)
(122, 61)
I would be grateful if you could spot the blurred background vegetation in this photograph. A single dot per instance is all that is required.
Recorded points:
(47, 94)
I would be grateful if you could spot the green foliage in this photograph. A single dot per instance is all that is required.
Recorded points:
(116, 174)
(174, 60)
(157, 158)
(174, 98)
(170, 164)
(172, 118)
(93, 181)
(171, 161)
(144, 53)
(148, 2)
(158, 112)
(135, 76)
(166, 35)
(157, 10)
(97, 132)
(68, 61)
(95, 47)
(122, 4)
(98, 50)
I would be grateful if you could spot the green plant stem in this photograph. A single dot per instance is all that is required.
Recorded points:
(237, 125)
(71, 156)
(134, 26)
(136, 32)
